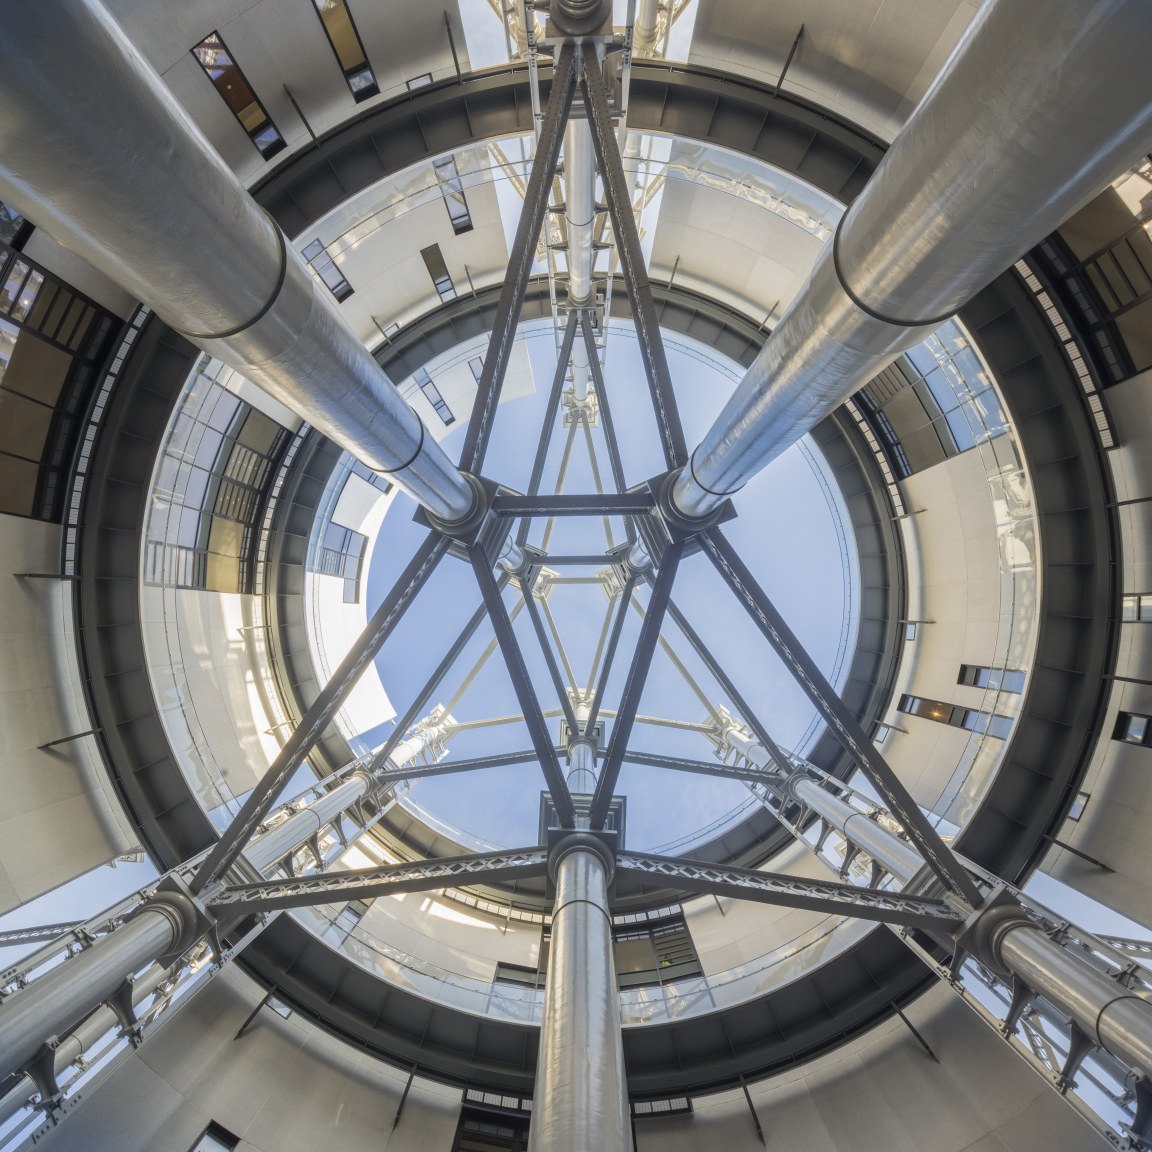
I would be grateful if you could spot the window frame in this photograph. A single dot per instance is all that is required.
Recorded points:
(370, 90)
(280, 143)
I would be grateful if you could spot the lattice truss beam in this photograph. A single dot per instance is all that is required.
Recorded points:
(644, 516)
(665, 871)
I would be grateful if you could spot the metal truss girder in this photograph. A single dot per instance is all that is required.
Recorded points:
(520, 259)
(723, 680)
(841, 723)
(584, 504)
(320, 714)
(547, 427)
(704, 767)
(36, 935)
(793, 891)
(634, 687)
(447, 767)
(442, 670)
(367, 883)
(602, 399)
(610, 652)
(525, 693)
(632, 265)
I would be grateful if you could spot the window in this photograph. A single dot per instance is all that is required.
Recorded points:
(957, 716)
(1078, 806)
(52, 341)
(998, 679)
(215, 1138)
(229, 81)
(432, 395)
(453, 191)
(345, 41)
(1133, 728)
(1136, 609)
(438, 270)
(325, 267)
(225, 452)
(419, 81)
(14, 229)
(341, 554)
(341, 928)
(477, 366)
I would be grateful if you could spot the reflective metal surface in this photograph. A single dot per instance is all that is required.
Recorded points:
(581, 1101)
(1002, 149)
(897, 856)
(96, 150)
(1104, 1010)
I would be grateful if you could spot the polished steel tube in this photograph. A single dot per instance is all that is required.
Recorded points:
(76, 1043)
(51, 1005)
(95, 149)
(581, 1096)
(1005, 146)
(1105, 1011)
(883, 846)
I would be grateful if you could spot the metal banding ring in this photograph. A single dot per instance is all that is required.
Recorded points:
(860, 303)
(696, 479)
(580, 900)
(411, 460)
(271, 299)
(1100, 1016)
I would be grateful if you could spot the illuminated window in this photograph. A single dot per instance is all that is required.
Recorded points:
(229, 81)
(1078, 806)
(432, 395)
(419, 81)
(453, 191)
(438, 270)
(345, 41)
(325, 267)
(1137, 608)
(999, 679)
(1133, 728)
(215, 1138)
(957, 716)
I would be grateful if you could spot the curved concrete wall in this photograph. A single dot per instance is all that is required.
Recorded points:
(60, 816)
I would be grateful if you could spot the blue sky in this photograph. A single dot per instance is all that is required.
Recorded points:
(784, 532)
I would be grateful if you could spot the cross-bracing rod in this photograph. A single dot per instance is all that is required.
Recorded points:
(634, 686)
(522, 684)
(388, 879)
(794, 891)
(323, 709)
(520, 259)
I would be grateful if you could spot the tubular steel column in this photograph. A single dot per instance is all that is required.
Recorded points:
(580, 1103)
(1004, 147)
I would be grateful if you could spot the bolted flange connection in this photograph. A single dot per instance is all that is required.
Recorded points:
(579, 17)
(667, 525)
(983, 931)
(569, 842)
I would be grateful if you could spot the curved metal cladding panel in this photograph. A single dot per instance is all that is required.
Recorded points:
(108, 636)
(686, 100)
(284, 591)
(1063, 711)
